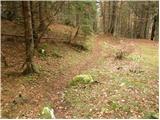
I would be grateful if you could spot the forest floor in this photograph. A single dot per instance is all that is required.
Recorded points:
(126, 88)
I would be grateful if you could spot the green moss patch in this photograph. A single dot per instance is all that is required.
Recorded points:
(135, 57)
(81, 79)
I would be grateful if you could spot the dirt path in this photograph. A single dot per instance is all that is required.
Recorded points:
(59, 86)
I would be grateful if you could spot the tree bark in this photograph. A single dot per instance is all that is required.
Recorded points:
(30, 67)
(41, 24)
(41, 20)
(105, 6)
(109, 16)
(113, 18)
(103, 10)
(35, 32)
(146, 23)
(154, 27)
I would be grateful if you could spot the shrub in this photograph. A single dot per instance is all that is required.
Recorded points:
(136, 68)
(123, 50)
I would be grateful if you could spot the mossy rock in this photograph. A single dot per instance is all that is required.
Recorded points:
(47, 113)
(81, 79)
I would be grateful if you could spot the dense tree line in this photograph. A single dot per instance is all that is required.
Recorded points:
(118, 18)
(130, 18)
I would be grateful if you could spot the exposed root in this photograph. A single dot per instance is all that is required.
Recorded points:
(30, 69)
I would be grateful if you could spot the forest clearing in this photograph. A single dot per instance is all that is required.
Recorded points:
(75, 66)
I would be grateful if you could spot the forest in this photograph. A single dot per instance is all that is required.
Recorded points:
(79, 59)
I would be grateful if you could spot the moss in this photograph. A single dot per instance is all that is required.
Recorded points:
(151, 115)
(81, 79)
(114, 105)
(136, 58)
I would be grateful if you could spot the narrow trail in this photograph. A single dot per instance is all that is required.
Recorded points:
(59, 86)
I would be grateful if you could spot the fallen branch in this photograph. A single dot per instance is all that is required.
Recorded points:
(23, 36)
(12, 35)
(75, 34)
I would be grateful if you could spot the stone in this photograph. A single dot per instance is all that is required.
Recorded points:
(47, 113)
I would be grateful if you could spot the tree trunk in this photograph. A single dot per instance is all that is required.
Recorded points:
(30, 67)
(41, 25)
(41, 20)
(104, 17)
(109, 15)
(154, 27)
(35, 32)
(146, 23)
(113, 18)
(103, 12)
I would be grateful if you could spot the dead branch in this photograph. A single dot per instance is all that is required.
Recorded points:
(23, 36)
(76, 33)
